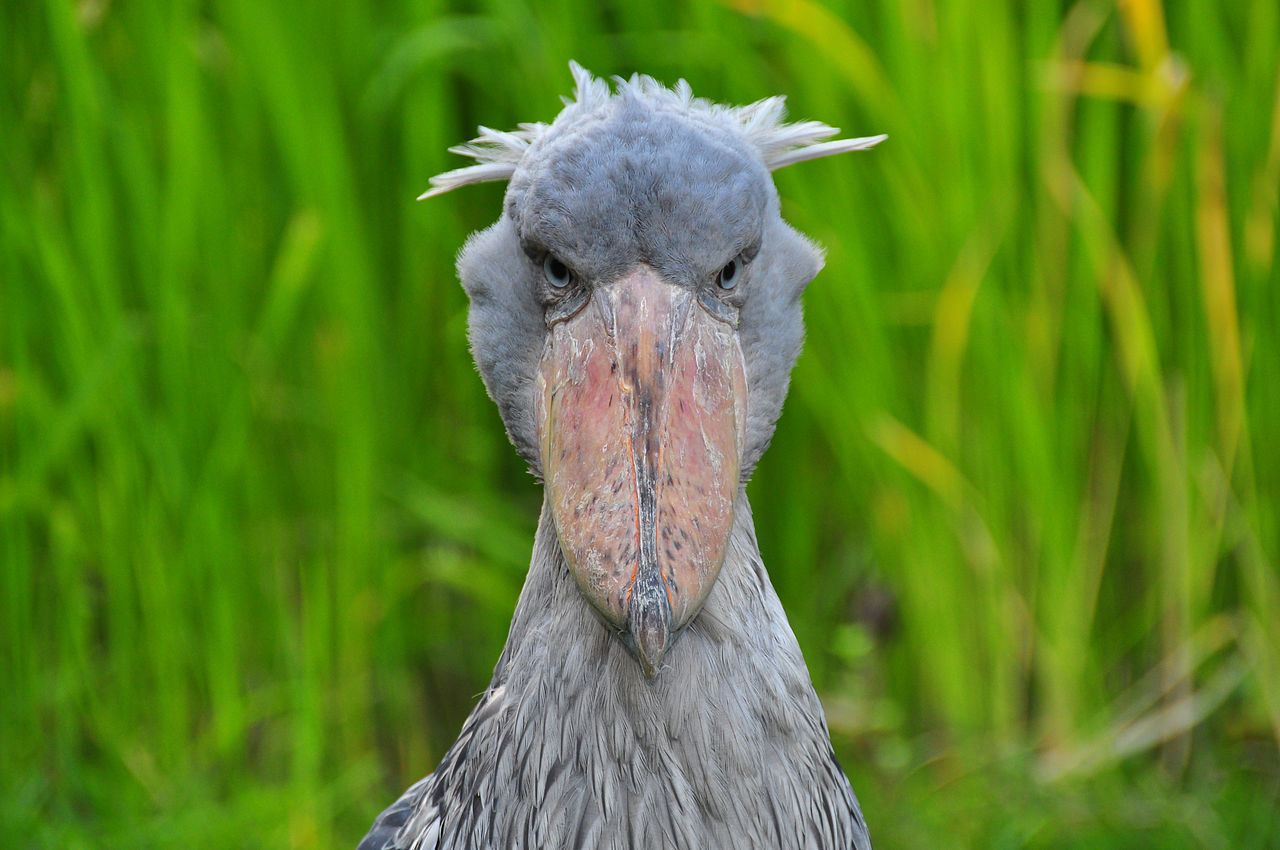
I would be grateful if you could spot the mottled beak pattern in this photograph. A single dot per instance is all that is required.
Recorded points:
(641, 412)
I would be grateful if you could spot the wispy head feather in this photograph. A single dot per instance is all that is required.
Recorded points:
(498, 154)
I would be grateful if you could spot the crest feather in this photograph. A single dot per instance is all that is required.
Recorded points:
(498, 153)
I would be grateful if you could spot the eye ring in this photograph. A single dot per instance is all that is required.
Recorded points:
(727, 277)
(556, 272)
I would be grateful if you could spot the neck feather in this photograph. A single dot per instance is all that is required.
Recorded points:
(726, 747)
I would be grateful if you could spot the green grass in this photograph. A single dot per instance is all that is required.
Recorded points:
(261, 532)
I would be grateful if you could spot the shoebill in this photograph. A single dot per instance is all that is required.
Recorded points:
(635, 314)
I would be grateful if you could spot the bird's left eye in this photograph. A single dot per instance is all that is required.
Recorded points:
(557, 272)
(728, 276)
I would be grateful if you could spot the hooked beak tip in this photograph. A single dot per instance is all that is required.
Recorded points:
(650, 628)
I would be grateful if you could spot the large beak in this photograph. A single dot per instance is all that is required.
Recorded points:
(642, 417)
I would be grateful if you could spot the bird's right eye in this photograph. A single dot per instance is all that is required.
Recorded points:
(728, 276)
(557, 273)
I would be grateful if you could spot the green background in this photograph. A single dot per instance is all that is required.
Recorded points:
(261, 532)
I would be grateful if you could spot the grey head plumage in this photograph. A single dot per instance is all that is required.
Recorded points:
(635, 314)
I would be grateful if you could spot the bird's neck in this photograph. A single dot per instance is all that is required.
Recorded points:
(726, 742)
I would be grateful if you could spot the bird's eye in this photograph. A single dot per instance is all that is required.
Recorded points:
(728, 276)
(557, 272)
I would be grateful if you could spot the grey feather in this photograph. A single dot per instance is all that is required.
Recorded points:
(570, 745)
(761, 124)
